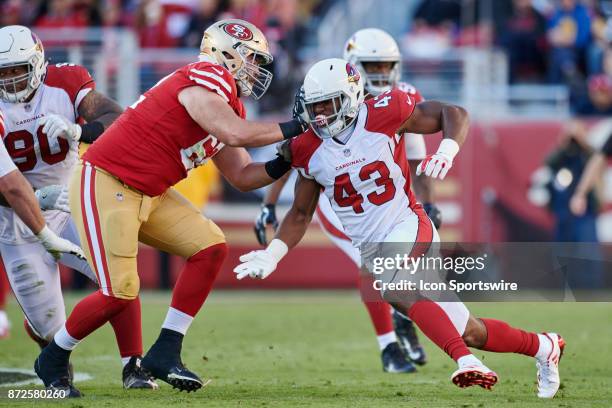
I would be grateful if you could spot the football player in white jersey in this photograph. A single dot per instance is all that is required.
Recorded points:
(376, 54)
(354, 153)
(43, 112)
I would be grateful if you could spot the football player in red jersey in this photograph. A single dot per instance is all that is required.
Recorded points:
(354, 153)
(376, 54)
(42, 109)
(121, 192)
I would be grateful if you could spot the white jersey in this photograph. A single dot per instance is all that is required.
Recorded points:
(367, 179)
(42, 160)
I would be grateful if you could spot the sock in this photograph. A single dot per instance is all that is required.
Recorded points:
(125, 360)
(544, 348)
(64, 340)
(128, 329)
(502, 338)
(378, 309)
(91, 313)
(436, 325)
(469, 360)
(196, 279)
(385, 339)
(177, 321)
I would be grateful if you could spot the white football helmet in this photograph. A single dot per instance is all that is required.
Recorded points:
(241, 48)
(374, 45)
(20, 46)
(339, 81)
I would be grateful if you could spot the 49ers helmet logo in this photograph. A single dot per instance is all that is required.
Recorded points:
(352, 72)
(238, 31)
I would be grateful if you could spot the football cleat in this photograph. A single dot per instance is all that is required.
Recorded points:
(163, 361)
(52, 367)
(548, 367)
(65, 384)
(408, 339)
(5, 325)
(394, 361)
(474, 375)
(134, 377)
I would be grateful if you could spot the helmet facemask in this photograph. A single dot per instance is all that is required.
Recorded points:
(377, 83)
(251, 77)
(12, 90)
(328, 126)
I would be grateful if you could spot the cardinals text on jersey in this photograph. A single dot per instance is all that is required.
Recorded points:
(155, 142)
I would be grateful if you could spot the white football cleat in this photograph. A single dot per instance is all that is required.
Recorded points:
(5, 325)
(474, 375)
(548, 367)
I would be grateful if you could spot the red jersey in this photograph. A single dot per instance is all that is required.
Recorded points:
(153, 144)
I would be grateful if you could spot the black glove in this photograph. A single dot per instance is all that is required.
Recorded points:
(267, 217)
(434, 214)
(298, 108)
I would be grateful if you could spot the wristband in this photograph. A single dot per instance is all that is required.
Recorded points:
(276, 168)
(45, 234)
(277, 249)
(91, 131)
(291, 129)
(448, 148)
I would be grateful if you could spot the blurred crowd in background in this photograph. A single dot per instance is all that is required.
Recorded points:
(546, 41)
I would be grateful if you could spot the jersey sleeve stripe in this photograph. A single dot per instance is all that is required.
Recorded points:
(211, 86)
(216, 77)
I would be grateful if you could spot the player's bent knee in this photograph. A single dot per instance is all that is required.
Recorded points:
(216, 251)
(475, 334)
(210, 236)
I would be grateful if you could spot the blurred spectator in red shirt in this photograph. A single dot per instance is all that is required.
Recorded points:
(162, 23)
(60, 13)
(113, 14)
(10, 12)
(523, 36)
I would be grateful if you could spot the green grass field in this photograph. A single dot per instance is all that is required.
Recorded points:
(280, 349)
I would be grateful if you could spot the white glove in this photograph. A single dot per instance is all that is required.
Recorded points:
(260, 264)
(54, 197)
(57, 246)
(56, 126)
(438, 164)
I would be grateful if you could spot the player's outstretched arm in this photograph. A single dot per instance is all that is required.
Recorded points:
(239, 170)
(267, 216)
(260, 264)
(431, 117)
(100, 112)
(214, 115)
